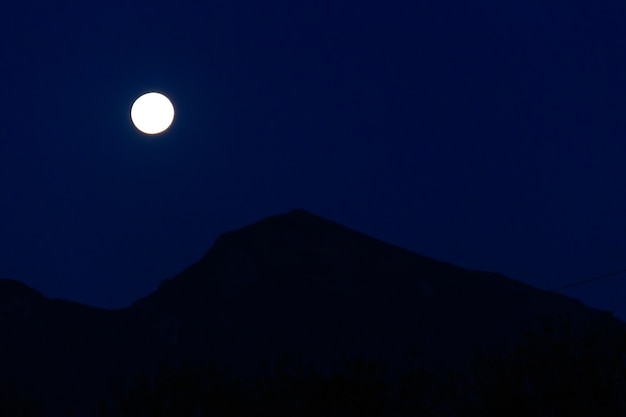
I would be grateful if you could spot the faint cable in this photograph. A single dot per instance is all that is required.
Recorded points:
(574, 284)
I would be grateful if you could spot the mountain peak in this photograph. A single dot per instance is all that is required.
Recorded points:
(297, 249)
(291, 281)
(297, 227)
(296, 218)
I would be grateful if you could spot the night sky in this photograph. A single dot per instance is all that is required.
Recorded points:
(487, 134)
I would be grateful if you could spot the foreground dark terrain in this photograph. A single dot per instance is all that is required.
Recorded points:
(297, 315)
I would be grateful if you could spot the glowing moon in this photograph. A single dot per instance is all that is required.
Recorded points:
(152, 113)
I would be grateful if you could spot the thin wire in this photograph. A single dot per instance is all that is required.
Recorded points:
(573, 284)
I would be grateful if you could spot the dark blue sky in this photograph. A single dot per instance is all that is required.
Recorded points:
(486, 134)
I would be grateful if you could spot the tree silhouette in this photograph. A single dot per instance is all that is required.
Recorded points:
(559, 370)
(187, 391)
(16, 400)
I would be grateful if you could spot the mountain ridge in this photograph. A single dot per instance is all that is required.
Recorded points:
(290, 285)
(308, 256)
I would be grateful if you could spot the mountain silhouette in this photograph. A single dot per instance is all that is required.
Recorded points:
(292, 285)
(18, 300)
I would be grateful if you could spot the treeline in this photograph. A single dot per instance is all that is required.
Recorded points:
(557, 370)
(18, 400)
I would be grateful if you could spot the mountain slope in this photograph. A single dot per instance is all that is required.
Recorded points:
(292, 285)
(302, 285)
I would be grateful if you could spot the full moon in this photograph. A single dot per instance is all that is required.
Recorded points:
(152, 113)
